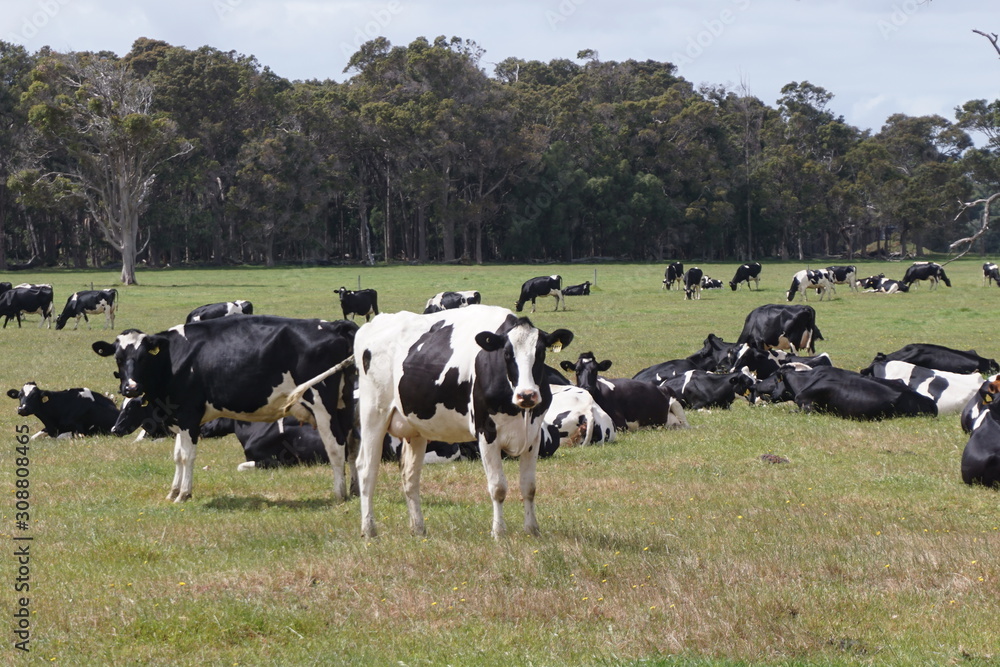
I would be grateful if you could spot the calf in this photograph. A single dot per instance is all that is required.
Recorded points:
(950, 391)
(541, 286)
(211, 311)
(259, 368)
(778, 325)
(930, 271)
(882, 285)
(843, 275)
(360, 302)
(469, 374)
(673, 274)
(710, 283)
(981, 456)
(991, 274)
(139, 413)
(746, 273)
(700, 389)
(89, 302)
(66, 413)
(692, 283)
(27, 299)
(630, 403)
(808, 279)
(448, 300)
(583, 289)
(941, 358)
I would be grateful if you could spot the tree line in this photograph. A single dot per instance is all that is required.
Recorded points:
(170, 155)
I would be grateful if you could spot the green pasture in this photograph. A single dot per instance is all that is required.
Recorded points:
(663, 548)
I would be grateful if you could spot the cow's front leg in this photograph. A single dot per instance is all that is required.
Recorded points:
(412, 462)
(496, 482)
(184, 455)
(527, 464)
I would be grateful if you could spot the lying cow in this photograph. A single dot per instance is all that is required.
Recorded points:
(67, 413)
(710, 283)
(746, 273)
(950, 391)
(89, 302)
(699, 389)
(981, 456)
(211, 311)
(941, 358)
(882, 285)
(583, 289)
(283, 443)
(930, 271)
(576, 418)
(713, 356)
(358, 302)
(448, 300)
(541, 286)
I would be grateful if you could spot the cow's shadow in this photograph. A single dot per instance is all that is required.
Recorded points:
(258, 503)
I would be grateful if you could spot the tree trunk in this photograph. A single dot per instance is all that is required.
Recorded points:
(421, 233)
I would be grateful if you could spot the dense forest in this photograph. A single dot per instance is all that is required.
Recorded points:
(174, 156)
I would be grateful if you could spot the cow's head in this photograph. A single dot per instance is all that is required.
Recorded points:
(142, 359)
(743, 384)
(987, 392)
(343, 291)
(524, 348)
(30, 398)
(586, 368)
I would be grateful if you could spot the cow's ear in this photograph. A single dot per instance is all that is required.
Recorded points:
(558, 339)
(604, 365)
(13, 393)
(490, 341)
(565, 364)
(104, 348)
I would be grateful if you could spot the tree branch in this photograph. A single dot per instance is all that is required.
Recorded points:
(990, 36)
(984, 227)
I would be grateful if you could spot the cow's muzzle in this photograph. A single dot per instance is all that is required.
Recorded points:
(130, 389)
(526, 399)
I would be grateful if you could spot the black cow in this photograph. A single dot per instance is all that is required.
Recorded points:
(629, 403)
(283, 443)
(746, 273)
(700, 389)
(981, 456)
(139, 412)
(991, 274)
(784, 326)
(710, 283)
(931, 271)
(448, 300)
(541, 286)
(673, 274)
(692, 283)
(30, 299)
(258, 368)
(843, 275)
(66, 413)
(985, 399)
(713, 356)
(474, 373)
(90, 302)
(882, 284)
(440, 452)
(212, 311)
(941, 358)
(850, 395)
(583, 289)
(358, 302)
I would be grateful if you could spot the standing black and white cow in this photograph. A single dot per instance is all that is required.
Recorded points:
(27, 299)
(583, 289)
(541, 286)
(358, 302)
(448, 300)
(66, 413)
(90, 302)
(673, 274)
(808, 279)
(212, 311)
(470, 374)
(630, 403)
(258, 368)
(746, 273)
(843, 275)
(882, 285)
(991, 274)
(779, 325)
(931, 271)
(950, 391)
(692, 283)
(941, 358)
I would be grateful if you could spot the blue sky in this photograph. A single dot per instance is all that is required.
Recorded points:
(877, 57)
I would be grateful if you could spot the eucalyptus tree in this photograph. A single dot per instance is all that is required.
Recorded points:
(15, 69)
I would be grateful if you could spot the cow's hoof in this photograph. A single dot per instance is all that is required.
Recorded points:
(173, 494)
(183, 497)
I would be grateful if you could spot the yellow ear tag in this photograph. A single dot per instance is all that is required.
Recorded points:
(556, 346)
(988, 398)
(155, 351)
(45, 399)
(144, 403)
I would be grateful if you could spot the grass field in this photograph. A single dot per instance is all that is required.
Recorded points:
(661, 548)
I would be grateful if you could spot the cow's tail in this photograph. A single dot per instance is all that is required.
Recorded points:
(296, 394)
(794, 288)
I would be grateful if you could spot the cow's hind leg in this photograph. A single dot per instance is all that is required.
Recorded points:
(412, 462)
(496, 482)
(373, 426)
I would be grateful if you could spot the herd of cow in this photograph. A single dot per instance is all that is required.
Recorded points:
(466, 380)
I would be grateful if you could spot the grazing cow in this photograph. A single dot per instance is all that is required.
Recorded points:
(984, 399)
(950, 391)
(673, 274)
(931, 271)
(212, 311)
(66, 413)
(630, 403)
(358, 302)
(541, 286)
(808, 279)
(258, 368)
(710, 283)
(4, 286)
(90, 302)
(692, 283)
(713, 356)
(851, 395)
(576, 418)
(843, 275)
(583, 289)
(778, 325)
(882, 285)
(981, 456)
(941, 358)
(470, 374)
(448, 300)
(746, 273)
(700, 389)
(991, 274)
(27, 299)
